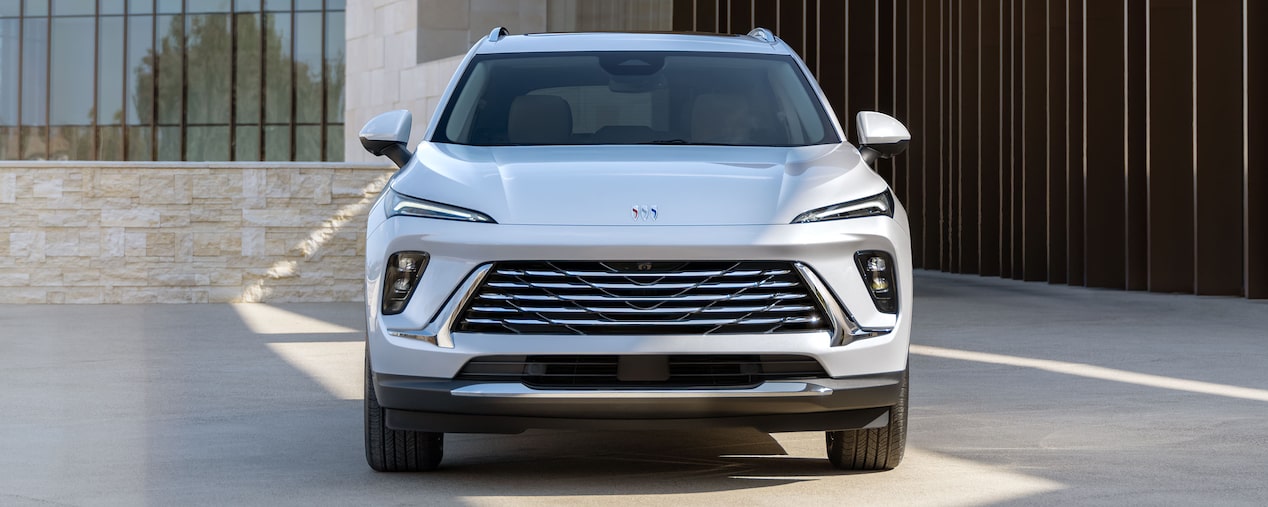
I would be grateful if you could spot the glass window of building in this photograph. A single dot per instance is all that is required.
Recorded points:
(201, 80)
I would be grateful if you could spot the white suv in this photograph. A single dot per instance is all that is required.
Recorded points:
(636, 231)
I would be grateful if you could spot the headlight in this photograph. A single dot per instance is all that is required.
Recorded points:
(404, 205)
(881, 204)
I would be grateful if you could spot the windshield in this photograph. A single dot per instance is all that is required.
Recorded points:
(733, 99)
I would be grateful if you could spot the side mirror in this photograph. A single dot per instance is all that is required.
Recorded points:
(880, 136)
(387, 134)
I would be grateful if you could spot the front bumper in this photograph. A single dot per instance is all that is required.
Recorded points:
(441, 405)
(414, 377)
(458, 250)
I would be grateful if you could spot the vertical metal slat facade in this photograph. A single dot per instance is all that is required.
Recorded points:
(1116, 143)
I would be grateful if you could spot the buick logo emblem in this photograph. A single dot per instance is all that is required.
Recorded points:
(644, 213)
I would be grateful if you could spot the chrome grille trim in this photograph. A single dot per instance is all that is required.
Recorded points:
(614, 298)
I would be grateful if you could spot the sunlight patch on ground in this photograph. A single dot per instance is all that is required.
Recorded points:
(264, 319)
(336, 366)
(925, 478)
(1097, 372)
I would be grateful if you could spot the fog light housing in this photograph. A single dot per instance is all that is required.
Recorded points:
(877, 269)
(400, 279)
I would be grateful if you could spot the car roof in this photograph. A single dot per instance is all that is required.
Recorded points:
(620, 41)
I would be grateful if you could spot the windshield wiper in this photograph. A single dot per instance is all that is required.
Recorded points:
(667, 141)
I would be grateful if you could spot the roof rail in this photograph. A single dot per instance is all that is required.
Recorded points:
(498, 33)
(763, 35)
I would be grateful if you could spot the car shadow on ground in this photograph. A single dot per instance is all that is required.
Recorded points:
(552, 463)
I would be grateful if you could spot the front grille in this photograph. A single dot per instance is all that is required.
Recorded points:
(604, 372)
(641, 298)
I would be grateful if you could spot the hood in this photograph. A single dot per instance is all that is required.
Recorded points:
(667, 185)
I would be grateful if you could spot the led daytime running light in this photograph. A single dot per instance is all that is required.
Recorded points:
(403, 205)
(881, 204)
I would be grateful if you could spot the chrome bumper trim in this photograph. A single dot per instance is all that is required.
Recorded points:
(767, 389)
(844, 328)
(437, 331)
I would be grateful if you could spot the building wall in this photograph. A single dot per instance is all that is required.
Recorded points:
(402, 53)
(1112, 143)
(114, 232)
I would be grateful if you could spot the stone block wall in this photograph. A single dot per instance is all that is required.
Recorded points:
(183, 232)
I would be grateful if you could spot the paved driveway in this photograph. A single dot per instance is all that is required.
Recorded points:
(1021, 393)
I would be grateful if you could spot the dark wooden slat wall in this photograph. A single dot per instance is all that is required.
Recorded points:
(970, 141)
(1057, 146)
(1219, 179)
(1075, 245)
(919, 124)
(1106, 143)
(1016, 140)
(1170, 138)
(1138, 146)
(936, 155)
(1255, 174)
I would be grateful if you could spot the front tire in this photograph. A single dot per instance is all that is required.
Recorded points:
(874, 448)
(389, 450)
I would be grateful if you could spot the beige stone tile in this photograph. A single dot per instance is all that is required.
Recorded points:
(47, 186)
(130, 217)
(216, 185)
(26, 295)
(81, 277)
(254, 182)
(14, 277)
(8, 187)
(69, 218)
(165, 189)
(114, 242)
(27, 245)
(160, 244)
(173, 217)
(45, 277)
(83, 295)
(252, 241)
(110, 184)
(134, 243)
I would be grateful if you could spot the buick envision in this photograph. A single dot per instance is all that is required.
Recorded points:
(635, 231)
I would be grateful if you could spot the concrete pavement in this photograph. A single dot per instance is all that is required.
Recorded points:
(1021, 393)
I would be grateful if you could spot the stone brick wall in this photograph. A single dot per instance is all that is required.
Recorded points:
(156, 232)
